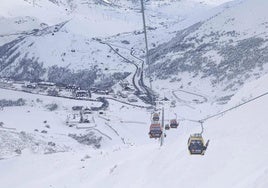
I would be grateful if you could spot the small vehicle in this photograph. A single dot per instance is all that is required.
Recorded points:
(167, 127)
(196, 145)
(155, 130)
(173, 123)
(156, 117)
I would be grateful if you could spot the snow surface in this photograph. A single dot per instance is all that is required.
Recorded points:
(236, 157)
(191, 59)
(85, 20)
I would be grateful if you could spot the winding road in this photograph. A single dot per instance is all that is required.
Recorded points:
(142, 91)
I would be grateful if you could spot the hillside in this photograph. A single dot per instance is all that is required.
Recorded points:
(62, 33)
(77, 109)
(236, 156)
(224, 51)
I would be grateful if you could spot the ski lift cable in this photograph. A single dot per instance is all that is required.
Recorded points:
(201, 121)
(237, 106)
(202, 128)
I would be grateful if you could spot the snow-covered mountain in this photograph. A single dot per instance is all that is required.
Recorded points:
(206, 57)
(226, 50)
(38, 141)
(44, 34)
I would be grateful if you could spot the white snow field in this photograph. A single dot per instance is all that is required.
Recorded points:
(86, 20)
(37, 147)
(236, 157)
(247, 18)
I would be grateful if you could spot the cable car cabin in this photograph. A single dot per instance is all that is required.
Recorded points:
(167, 127)
(156, 117)
(155, 131)
(174, 123)
(196, 145)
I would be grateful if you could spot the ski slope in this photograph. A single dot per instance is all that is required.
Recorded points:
(236, 157)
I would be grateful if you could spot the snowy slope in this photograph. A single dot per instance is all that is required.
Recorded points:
(36, 149)
(236, 157)
(225, 51)
(60, 33)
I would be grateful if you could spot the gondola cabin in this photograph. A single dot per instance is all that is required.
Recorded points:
(173, 123)
(196, 144)
(167, 127)
(155, 130)
(156, 117)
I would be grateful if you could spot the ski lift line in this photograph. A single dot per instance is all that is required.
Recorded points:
(145, 31)
(201, 121)
(146, 43)
(202, 128)
(191, 120)
(230, 109)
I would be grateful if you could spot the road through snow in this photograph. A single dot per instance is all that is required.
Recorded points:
(142, 91)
